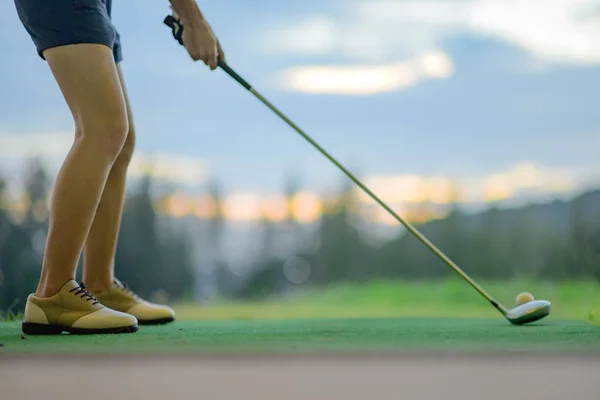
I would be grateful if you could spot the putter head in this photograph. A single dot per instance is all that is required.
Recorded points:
(529, 312)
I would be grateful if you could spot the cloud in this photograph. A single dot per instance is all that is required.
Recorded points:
(552, 30)
(557, 31)
(520, 180)
(366, 79)
(526, 178)
(18, 146)
(304, 207)
(171, 167)
(53, 147)
(314, 35)
(415, 197)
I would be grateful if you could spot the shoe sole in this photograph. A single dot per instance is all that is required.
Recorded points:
(31, 328)
(161, 321)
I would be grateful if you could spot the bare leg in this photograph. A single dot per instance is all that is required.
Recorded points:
(89, 81)
(100, 248)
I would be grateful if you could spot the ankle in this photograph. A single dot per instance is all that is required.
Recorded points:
(97, 287)
(47, 288)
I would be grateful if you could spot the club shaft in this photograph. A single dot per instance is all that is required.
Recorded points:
(406, 224)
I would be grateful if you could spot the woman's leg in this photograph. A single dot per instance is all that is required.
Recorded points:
(89, 81)
(100, 248)
(99, 253)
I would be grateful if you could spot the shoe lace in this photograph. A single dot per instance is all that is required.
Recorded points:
(82, 291)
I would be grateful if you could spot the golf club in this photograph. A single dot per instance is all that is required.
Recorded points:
(523, 314)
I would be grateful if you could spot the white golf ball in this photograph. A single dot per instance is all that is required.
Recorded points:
(524, 297)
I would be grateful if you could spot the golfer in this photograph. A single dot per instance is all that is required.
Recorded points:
(82, 48)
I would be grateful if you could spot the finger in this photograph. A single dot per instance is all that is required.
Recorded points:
(205, 58)
(221, 52)
(195, 55)
(213, 59)
(199, 56)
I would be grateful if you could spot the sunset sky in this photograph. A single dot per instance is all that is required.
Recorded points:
(498, 97)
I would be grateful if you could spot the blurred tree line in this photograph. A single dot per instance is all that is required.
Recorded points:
(163, 258)
(150, 254)
(553, 241)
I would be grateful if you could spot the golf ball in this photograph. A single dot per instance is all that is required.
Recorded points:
(524, 297)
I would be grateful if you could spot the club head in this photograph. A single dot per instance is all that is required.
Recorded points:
(529, 312)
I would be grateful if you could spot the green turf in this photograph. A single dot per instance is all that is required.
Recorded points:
(379, 316)
(322, 335)
(395, 299)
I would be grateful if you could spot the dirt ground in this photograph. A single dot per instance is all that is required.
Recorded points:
(481, 377)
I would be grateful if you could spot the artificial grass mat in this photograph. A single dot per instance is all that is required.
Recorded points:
(318, 336)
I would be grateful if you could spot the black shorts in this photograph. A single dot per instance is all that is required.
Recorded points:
(53, 23)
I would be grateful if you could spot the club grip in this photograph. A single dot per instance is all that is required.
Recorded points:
(234, 74)
(177, 29)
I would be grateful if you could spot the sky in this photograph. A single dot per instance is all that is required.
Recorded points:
(499, 96)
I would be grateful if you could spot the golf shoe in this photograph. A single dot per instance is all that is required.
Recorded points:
(75, 310)
(120, 297)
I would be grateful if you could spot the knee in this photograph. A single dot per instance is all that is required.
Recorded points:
(106, 135)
